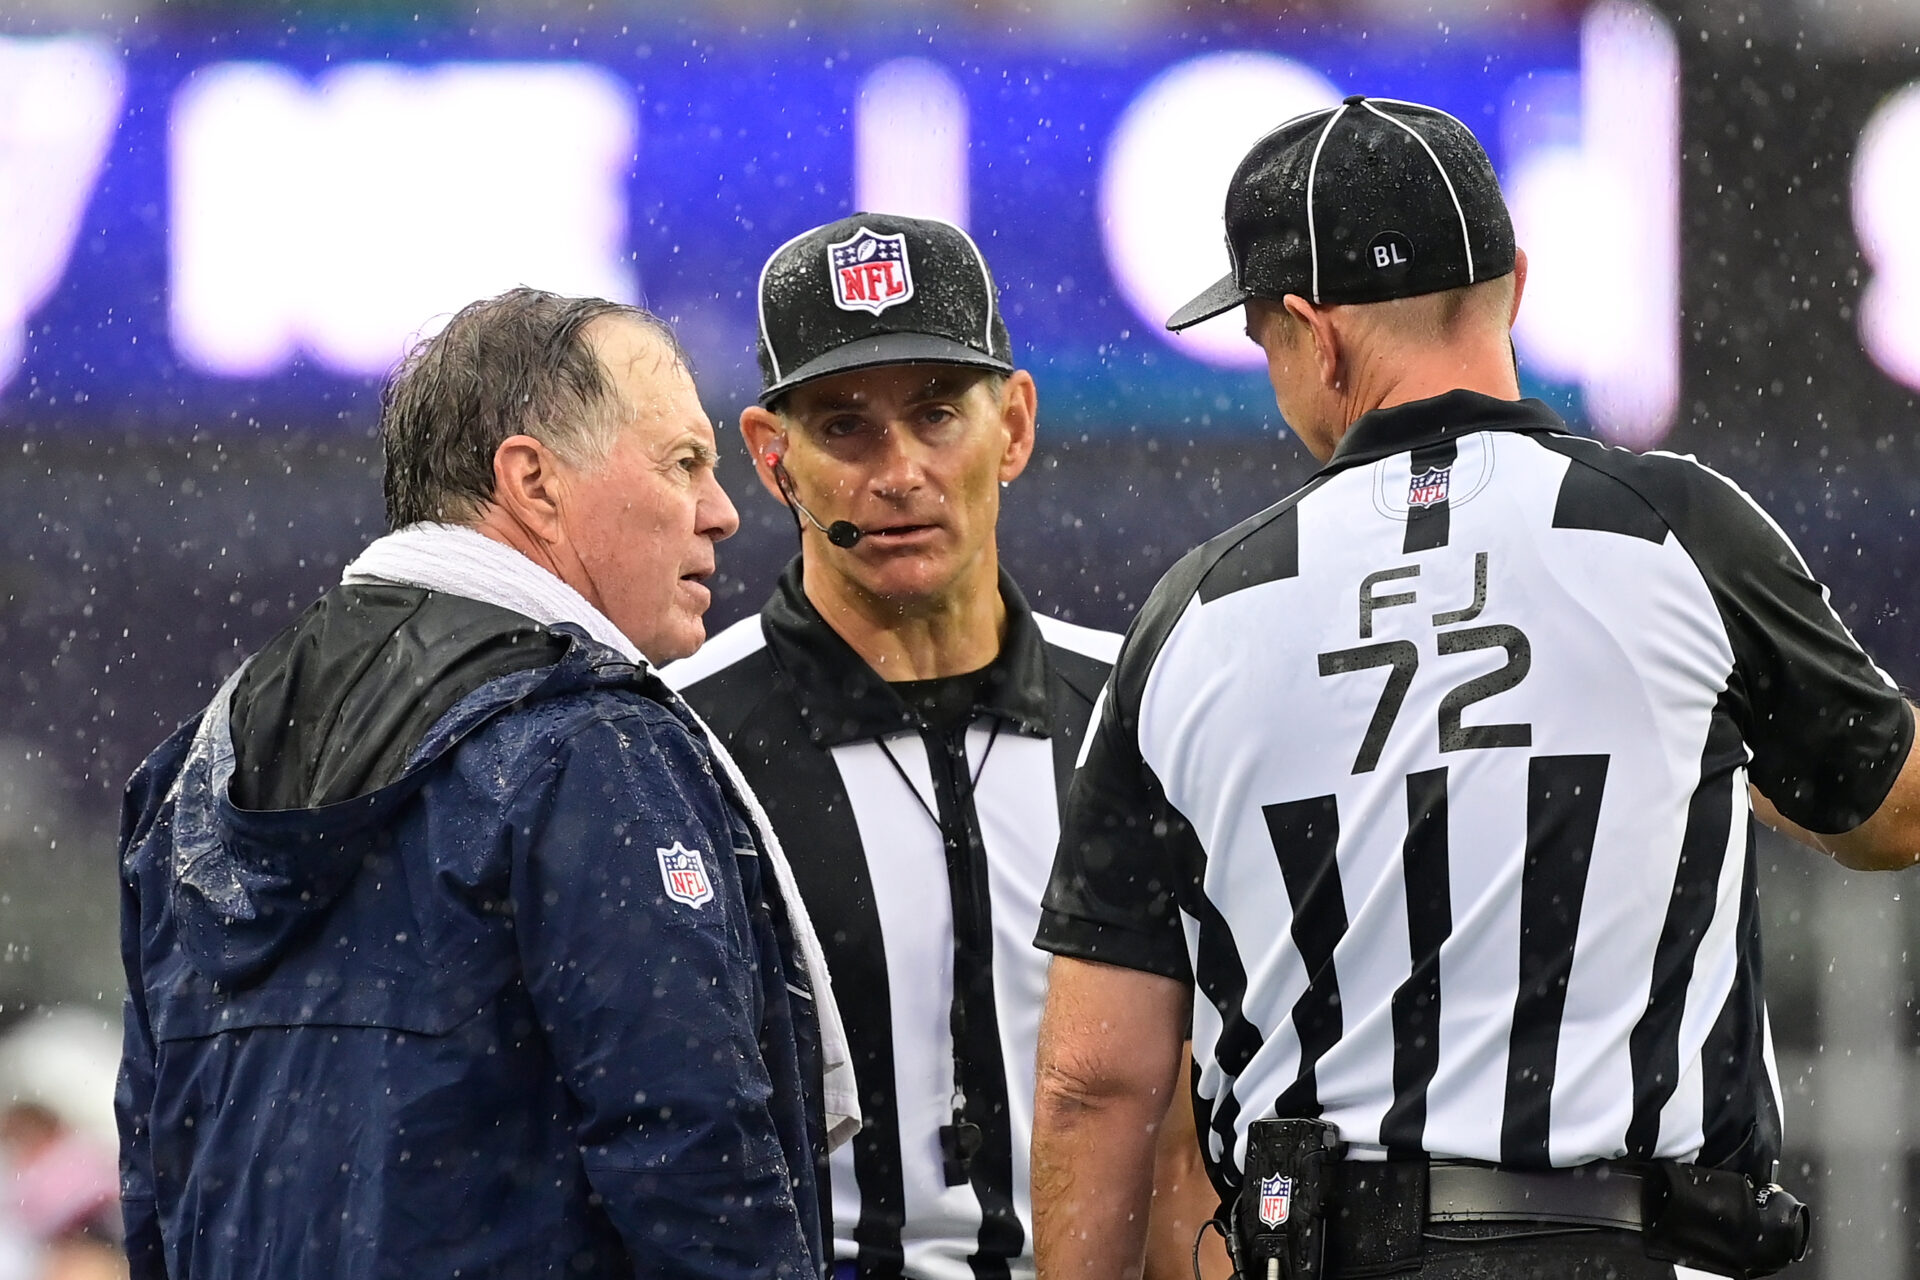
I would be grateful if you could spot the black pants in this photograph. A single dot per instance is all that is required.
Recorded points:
(1535, 1252)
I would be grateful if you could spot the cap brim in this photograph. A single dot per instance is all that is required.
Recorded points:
(1221, 296)
(884, 349)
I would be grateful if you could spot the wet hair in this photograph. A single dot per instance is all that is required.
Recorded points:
(518, 364)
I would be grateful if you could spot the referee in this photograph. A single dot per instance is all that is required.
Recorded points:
(1421, 800)
(910, 725)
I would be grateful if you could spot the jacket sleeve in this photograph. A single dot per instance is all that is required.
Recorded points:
(652, 1006)
(133, 1096)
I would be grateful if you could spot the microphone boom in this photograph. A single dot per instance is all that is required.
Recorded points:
(841, 533)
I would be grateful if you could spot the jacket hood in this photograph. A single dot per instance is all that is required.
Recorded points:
(248, 881)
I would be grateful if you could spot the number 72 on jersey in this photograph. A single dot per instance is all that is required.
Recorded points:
(1403, 659)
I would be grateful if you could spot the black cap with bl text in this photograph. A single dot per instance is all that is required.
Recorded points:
(1370, 200)
(876, 289)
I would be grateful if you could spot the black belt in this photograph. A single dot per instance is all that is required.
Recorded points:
(1378, 1216)
(1380, 1213)
(1590, 1195)
(1593, 1195)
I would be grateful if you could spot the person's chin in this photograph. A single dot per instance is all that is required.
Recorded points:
(682, 630)
(906, 578)
(674, 643)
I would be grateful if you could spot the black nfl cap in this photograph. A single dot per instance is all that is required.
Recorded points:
(875, 289)
(1370, 200)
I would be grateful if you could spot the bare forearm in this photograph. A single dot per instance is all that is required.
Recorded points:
(1183, 1198)
(1109, 1055)
(1092, 1181)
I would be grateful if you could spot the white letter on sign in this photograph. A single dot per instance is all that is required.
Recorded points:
(1886, 190)
(59, 103)
(1163, 191)
(343, 217)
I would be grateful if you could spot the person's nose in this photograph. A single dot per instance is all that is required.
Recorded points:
(715, 515)
(901, 465)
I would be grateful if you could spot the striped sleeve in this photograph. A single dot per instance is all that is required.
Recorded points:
(1828, 728)
(1111, 896)
(1125, 854)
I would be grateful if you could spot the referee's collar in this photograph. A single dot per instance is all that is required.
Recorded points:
(1385, 432)
(842, 699)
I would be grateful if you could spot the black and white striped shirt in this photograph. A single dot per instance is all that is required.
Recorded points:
(920, 854)
(1433, 780)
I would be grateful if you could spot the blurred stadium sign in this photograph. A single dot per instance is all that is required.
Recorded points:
(281, 210)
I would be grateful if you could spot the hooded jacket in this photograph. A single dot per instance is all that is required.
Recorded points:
(449, 955)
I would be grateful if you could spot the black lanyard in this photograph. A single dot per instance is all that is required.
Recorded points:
(961, 1139)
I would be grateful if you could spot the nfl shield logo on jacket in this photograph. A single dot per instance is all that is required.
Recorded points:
(685, 875)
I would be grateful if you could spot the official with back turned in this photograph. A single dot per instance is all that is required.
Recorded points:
(1423, 797)
(911, 724)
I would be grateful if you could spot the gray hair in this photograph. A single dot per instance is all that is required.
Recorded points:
(518, 364)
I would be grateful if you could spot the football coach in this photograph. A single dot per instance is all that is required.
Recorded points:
(454, 946)
(1423, 798)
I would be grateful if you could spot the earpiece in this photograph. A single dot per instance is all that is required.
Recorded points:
(841, 533)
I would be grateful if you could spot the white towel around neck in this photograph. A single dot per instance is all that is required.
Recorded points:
(462, 562)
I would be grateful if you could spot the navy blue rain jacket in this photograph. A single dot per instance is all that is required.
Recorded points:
(453, 1024)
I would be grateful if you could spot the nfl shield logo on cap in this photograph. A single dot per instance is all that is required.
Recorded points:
(1276, 1200)
(685, 875)
(870, 271)
(874, 289)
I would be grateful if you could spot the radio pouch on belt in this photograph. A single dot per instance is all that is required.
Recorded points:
(1280, 1218)
(1720, 1221)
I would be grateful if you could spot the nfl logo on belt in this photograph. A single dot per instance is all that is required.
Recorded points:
(1276, 1200)
(685, 875)
(870, 272)
(1429, 488)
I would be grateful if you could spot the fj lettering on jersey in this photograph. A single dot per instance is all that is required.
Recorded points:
(871, 272)
(1403, 656)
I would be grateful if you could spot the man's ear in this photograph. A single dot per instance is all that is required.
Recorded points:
(766, 438)
(528, 485)
(1519, 283)
(1019, 416)
(1321, 331)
